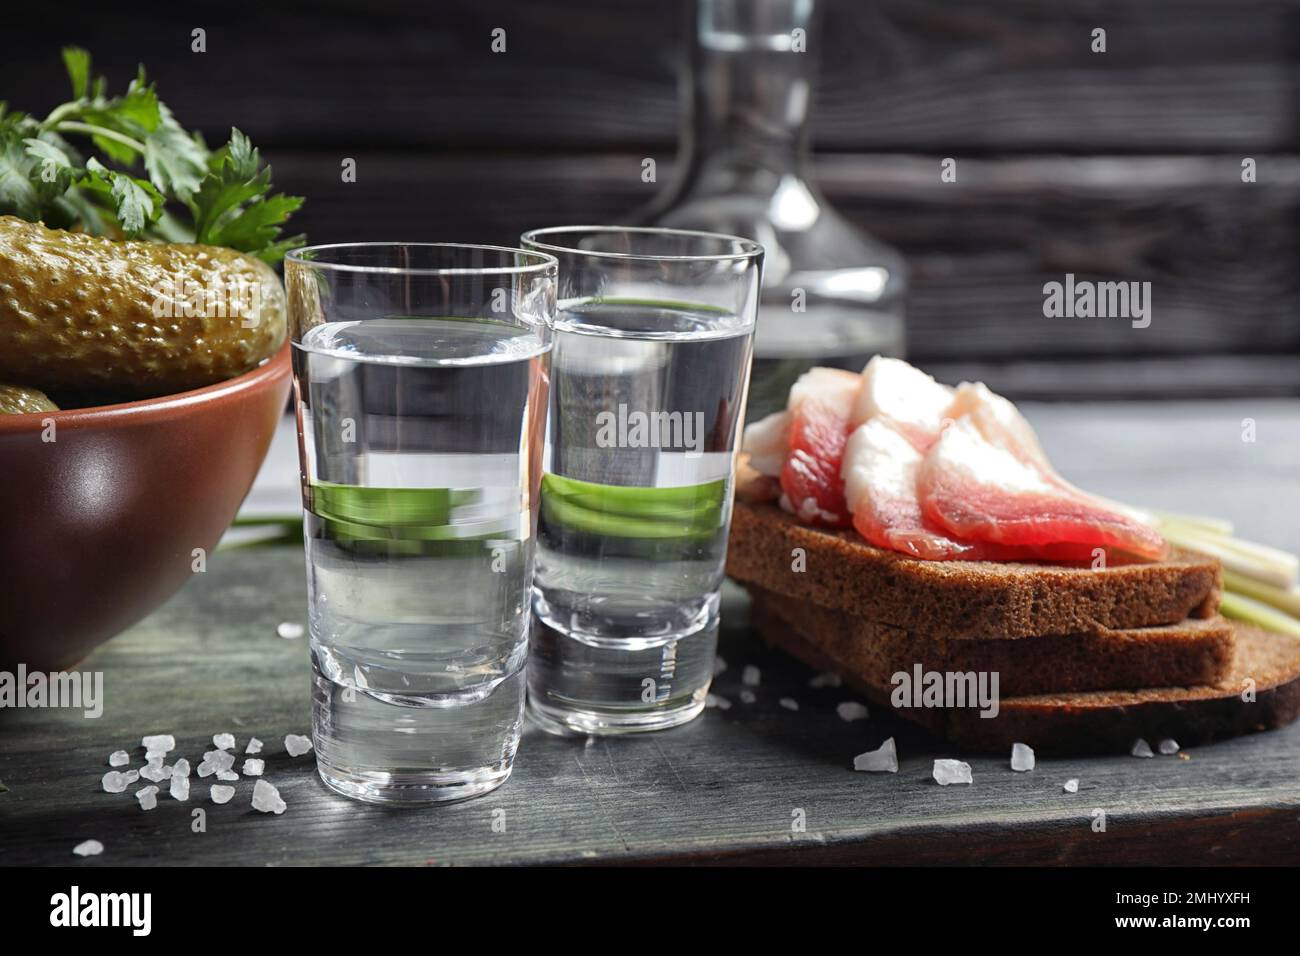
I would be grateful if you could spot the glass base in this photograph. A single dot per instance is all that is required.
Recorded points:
(412, 789)
(589, 723)
(371, 748)
(625, 686)
(650, 625)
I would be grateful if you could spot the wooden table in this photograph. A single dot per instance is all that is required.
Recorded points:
(726, 788)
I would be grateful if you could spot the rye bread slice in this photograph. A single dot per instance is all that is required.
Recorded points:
(964, 600)
(1099, 721)
(1192, 652)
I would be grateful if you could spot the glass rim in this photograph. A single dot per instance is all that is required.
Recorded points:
(544, 262)
(749, 249)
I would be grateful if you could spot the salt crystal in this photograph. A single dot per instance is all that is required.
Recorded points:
(289, 630)
(88, 848)
(297, 744)
(160, 743)
(1071, 786)
(1168, 746)
(119, 758)
(227, 775)
(223, 741)
(884, 759)
(180, 787)
(180, 768)
(131, 776)
(114, 782)
(148, 797)
(850, 711)
(747, 697)
(719, 665)
(713, 700)
(254, 746)
(155, 771)
(253, 767)
(266, 798)
(789, 703)
(951, 771)
(825, 680)
(219, 759)
(1141, 749)
(750, 676)
(1022, 758)
(220, 793)
(206, 769)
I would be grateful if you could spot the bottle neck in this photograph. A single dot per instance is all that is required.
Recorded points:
(751, 78)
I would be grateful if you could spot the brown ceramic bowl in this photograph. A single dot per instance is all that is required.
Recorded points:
(100, 526)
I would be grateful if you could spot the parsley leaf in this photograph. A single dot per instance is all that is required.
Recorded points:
(226, 194)
(231, 207)
(137, 202)
(77, 63)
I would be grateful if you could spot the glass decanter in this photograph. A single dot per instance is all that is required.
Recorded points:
(831, 295)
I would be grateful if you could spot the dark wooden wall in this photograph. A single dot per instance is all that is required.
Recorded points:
(1117, 166)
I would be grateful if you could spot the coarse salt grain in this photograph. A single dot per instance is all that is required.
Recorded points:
(951, 771)
(1022, 758)
(267, 799)
(220, 793)
(851, 710)
(884, 759)
(162, 743)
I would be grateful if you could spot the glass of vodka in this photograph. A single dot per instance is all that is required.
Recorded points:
(653, 343)
(420, 374)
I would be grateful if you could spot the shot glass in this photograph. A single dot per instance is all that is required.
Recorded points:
(420, 378)
(650, 370)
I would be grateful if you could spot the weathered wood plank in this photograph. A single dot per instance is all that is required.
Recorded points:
(1221, 255)
(991, 75)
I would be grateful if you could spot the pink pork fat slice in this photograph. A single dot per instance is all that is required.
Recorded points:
(766, 441)
(982, 491)
(880, 474)
(820, 406)
(1001, 424)
(913, 401)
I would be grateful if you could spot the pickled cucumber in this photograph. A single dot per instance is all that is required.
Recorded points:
(132, 319)
(16, 400)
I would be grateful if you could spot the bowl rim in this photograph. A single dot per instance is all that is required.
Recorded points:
(271, 370)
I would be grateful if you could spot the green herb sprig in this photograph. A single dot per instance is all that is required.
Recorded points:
(147, 177)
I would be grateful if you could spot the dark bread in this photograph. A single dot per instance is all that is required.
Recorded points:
(964, 600)
(1192, 652)
(1097, 721)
